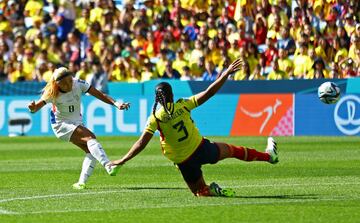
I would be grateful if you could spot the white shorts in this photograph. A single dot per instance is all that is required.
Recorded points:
(64, 130)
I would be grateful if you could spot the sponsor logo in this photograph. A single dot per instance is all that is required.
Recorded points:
(263, 114)
(345, 116)
(269, 111)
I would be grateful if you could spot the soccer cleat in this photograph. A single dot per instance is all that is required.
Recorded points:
(112, 170)
(271, 149)
(216, 190)
(79, 186)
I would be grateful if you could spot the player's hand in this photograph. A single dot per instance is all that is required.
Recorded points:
(234, 66)
(116, 162)
(32, 107)
(122, 106)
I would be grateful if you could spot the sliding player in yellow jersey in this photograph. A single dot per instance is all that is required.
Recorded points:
(182, 143)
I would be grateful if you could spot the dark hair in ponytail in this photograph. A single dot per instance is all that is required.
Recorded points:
(164, 95)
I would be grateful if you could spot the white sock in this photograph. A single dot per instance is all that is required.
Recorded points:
(98, 152)
(87, 168)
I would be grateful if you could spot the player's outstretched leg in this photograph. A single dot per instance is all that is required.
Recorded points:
(247, 154)
(199, 186)
(223, 192)
(271, 149)
(98, 152)
(215, 190)
(86, 171)
(86, 140)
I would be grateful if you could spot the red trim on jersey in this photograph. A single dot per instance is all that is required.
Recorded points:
(162, 137)
(53, 108)
(161, 133)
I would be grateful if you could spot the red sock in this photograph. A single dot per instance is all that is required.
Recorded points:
(204, 192)
(247, 154)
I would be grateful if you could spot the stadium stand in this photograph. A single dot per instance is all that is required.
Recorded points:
(140, 40)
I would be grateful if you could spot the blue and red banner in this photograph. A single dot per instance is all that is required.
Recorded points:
(222, 115)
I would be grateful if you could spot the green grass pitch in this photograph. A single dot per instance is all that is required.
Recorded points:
(316, 180)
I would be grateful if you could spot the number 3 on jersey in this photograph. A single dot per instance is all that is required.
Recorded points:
(71, 108)
(181, 127)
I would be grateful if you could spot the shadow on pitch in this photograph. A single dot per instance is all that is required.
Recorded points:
(283, 196)
(154, 188)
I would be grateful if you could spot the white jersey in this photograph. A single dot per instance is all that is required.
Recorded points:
(66, 107)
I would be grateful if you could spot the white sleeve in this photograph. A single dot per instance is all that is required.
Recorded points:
(84, 86)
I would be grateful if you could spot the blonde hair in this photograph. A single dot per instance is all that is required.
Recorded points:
(51, 90)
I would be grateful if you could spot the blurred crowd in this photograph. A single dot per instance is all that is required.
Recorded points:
(134, 41)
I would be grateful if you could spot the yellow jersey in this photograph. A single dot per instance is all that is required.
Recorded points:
(31, 34)
(96, 14)
(82, 24)
(28, 68)
(82, 74)
(240, 75)
(303, 65)
(179, 64)
(197, 71)
(311, 74)
(286, 65)
(214, 56)
(233, 53)
(253, 62)
(34, 7)
(179, 137)
(5, 26)
(320, 52)
(118, 74)
(47, 75)
(15, 75)
(342, 53)
(277, 75)
(160, 67)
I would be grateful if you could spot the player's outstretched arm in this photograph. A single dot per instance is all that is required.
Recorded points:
(107, 99)
(135, 149)
(36, 106)
(203, 96)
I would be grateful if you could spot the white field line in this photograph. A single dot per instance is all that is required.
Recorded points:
(296, 185)
(3, 211)
(58, 195)
(126, 190)
(92, 209)
(229, 184)
(340, 198)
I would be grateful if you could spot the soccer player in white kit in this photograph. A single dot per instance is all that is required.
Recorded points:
(64, 92)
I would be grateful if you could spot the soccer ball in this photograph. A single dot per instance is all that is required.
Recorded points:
(329, 92)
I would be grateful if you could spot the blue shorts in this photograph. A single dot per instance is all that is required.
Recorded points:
(207, 152)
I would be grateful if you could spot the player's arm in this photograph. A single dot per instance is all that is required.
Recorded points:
(107, 99)
(135, 149)
(203, 96)
(36, 106)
